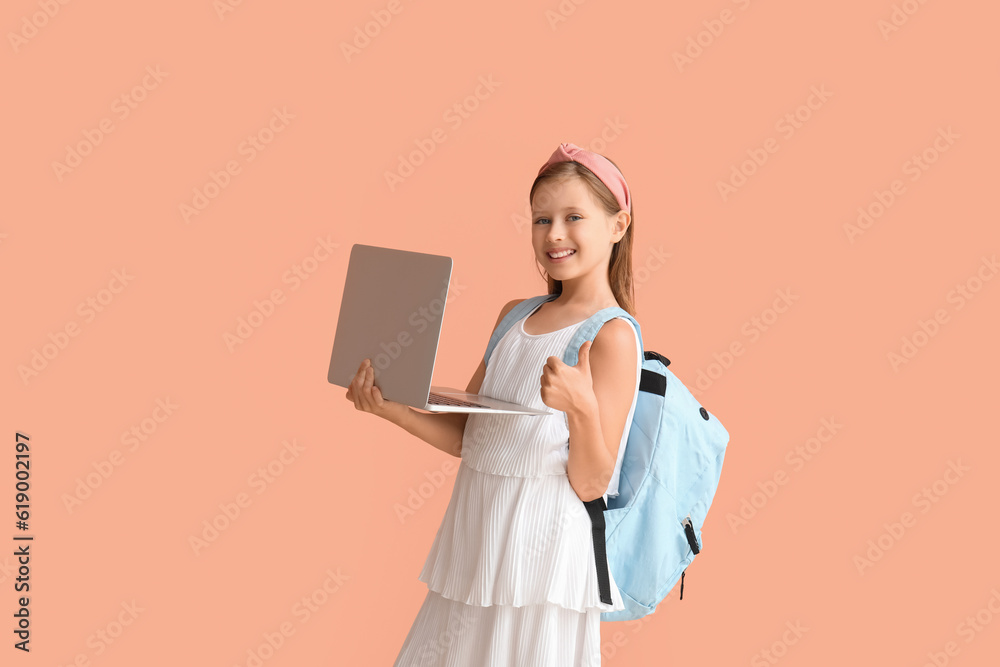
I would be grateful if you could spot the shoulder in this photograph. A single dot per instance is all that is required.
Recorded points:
(509, 306)
(616, 336)
(614, 354)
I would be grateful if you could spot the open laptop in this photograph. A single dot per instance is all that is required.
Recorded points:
(391, 312)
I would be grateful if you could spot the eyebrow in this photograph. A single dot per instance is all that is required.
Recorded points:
(565, 208)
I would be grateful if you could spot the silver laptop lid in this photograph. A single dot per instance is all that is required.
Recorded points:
(391, 312)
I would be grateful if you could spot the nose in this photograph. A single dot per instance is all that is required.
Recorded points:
(555, 233)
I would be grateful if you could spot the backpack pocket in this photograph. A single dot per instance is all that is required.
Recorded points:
(645, 546)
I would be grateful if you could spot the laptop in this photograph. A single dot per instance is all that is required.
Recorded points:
(391, 312)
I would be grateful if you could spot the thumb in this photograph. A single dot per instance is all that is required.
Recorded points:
(584, 354)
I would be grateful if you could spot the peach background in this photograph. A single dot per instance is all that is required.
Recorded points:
(680, 133)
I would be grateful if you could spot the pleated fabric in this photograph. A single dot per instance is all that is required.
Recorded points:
(511, 574)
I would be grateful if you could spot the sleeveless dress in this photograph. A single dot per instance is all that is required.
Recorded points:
(511, 575)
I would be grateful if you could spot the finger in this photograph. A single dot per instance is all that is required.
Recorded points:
(372, 389)
(359, 388)
(354, 391)
(379, 401)
(359, 391)
(366, 389)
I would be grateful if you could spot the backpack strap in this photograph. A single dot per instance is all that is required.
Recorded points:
(515, 314)
(589, 329)
(596, 507)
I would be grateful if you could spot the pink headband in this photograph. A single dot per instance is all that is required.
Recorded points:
(600, 165)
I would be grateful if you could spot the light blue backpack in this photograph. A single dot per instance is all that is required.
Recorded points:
(651, 531)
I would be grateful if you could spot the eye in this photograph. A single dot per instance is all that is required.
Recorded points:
(571, 215)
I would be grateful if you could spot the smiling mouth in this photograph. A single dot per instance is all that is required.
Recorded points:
(561, 255)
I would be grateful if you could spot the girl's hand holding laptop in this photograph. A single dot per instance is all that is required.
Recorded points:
(368, 398)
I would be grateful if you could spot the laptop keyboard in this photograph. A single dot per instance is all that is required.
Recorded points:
(438, 399)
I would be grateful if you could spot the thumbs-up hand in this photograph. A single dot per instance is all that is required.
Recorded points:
(566, 387)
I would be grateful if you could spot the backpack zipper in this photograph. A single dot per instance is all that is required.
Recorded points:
(693, 542)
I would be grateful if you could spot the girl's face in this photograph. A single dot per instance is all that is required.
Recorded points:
(565, 215)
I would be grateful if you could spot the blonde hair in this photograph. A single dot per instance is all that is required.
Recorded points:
(620, 264)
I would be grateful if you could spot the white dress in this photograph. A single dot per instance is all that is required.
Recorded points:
(511, 575)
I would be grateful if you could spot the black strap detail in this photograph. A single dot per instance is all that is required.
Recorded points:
(595, 508)
(649, 354)
(682, 584)
(652, 382)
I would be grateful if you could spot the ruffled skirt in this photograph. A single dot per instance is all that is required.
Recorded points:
(511, 577)
(447, 633)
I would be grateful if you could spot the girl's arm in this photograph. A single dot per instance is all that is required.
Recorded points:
(596, 427)
(443, 430)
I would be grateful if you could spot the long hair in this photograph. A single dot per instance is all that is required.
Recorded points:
(620, 264)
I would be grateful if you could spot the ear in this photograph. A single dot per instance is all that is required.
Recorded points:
(621, 224)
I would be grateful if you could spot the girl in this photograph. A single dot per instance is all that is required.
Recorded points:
(511, 575)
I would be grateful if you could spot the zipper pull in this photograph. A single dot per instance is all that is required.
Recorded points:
(689, 534)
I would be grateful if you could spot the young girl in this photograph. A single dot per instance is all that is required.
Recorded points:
(512, 575)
